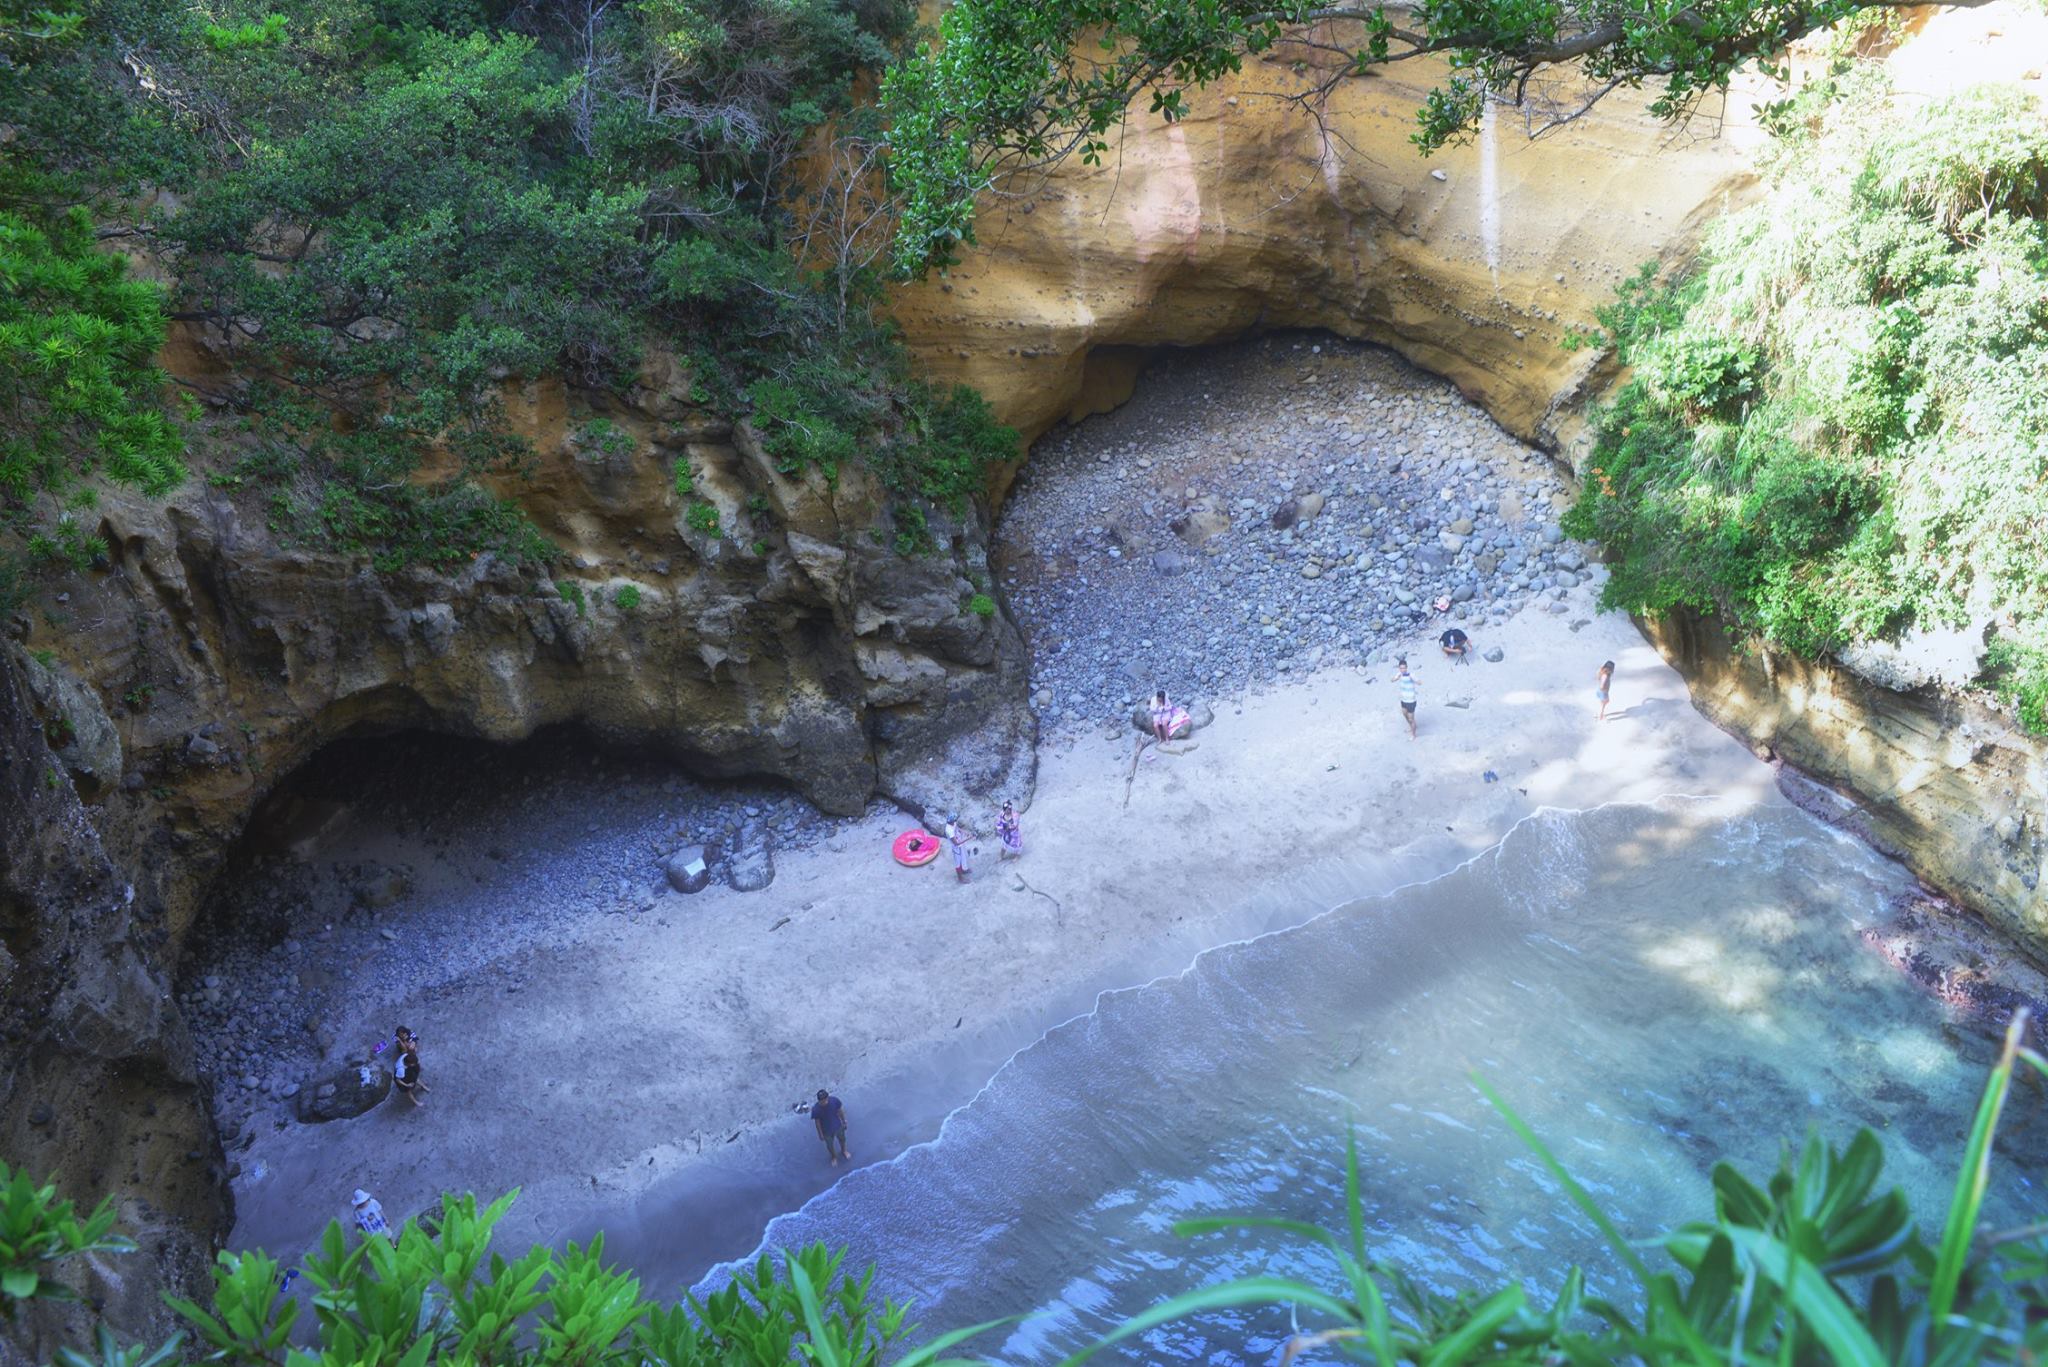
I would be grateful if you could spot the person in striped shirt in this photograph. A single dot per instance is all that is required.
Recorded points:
(1406, 683)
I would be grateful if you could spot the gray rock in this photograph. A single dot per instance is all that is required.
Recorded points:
(1171, 562)
(349, 1090)
(1493, 654)
(687, 869)
(377, 887)
(1551, 536)
(200, 750)
(1570, 558)
(753, 865)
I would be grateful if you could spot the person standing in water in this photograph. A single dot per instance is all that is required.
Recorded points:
(1601, 685)
(1406, 683)
(1010, 832)
(829, 1115)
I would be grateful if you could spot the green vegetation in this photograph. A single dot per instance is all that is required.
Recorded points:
(1011, 84)
(385, 210)
(78, 342)
(603, 437)
(1835, 426)
(627, 597)
(1815, 1266)
(436, 1293)
(703, 517)
(981, 605)
(572, 592)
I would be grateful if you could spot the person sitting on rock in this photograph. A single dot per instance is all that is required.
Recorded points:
(1457, 645)
(1170, 721)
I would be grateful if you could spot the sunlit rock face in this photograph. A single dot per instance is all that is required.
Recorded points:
(1257, 211)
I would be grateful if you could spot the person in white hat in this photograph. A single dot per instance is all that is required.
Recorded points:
(370, 1215)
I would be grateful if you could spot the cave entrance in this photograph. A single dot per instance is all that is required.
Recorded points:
(390, 867)
(1263, 509)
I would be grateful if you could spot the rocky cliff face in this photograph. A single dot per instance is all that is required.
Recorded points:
(151, 704)
(1950, 786)
(1256, 212)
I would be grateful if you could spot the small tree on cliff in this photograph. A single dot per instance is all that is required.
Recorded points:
(1017, 84)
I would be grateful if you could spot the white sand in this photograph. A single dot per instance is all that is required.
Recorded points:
(608, 1088)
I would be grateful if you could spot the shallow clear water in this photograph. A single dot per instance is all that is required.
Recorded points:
(1653, 988)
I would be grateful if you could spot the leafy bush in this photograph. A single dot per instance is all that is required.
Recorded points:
(1834, 424)
(434, 1292)
(389, 209)
(627, 598)
(703, 517)
(981, 605)
(572, 592)
(603, 437)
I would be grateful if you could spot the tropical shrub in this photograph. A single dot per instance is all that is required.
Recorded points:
(1835, 424)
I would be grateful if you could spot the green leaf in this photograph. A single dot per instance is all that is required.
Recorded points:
(1223, 1296)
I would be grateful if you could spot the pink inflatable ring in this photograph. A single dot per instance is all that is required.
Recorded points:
(915, 848)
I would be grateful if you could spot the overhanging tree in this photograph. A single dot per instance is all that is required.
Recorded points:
(1017, 84)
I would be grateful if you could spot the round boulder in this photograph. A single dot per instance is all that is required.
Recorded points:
(687, 869)
(349, 1090)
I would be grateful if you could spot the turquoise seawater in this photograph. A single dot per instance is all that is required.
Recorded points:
(1654, 988)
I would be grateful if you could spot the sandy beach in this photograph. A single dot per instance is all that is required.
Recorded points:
(642, 1079)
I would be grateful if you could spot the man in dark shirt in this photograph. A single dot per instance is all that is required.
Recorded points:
(1456, 645)
(829, 1115)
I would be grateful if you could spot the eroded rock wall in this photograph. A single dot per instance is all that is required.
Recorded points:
(97, 1090)
(1949, 785)
(1257, 212)
(151, 703)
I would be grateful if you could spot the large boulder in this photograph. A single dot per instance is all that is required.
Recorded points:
(347, 1091)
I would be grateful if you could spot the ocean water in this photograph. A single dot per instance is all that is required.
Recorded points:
(1654, 988)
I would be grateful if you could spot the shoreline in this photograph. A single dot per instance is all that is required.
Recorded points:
(646, 1054)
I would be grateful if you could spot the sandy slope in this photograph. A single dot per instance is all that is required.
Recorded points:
(643, 1079)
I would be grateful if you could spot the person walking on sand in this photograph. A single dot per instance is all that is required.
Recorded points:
(957, 835)
(1601, 684)
(829, 1115)
(406, 1068)
(370, 1215)
(1406, 683)
(1010, 831)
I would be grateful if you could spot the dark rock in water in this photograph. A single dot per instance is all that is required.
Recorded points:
(687, 869)
(349, 1090)
(753, 866)
(377, 887)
